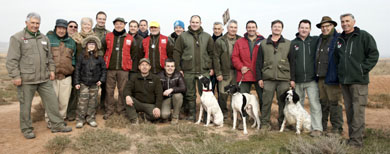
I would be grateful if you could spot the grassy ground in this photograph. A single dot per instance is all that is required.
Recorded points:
(190, 138)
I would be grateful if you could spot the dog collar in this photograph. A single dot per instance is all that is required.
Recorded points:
(206, 90)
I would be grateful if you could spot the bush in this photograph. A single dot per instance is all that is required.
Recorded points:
(101, 141)
(325, 145)
(58, 144)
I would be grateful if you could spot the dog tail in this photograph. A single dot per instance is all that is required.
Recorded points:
(243, 111)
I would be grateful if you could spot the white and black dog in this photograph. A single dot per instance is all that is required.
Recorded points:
(245, 104)
(210, 104)
(294, 113)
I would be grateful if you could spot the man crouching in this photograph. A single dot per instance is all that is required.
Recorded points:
(143, 93)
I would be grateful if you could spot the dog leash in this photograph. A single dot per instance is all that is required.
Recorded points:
(242, 77)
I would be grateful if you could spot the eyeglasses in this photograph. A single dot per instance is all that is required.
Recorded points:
(73, 26)
(325, 26)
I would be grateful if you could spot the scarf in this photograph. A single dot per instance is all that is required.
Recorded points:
(143, 34)
(79, 37)
(174, 36)
(116, 33)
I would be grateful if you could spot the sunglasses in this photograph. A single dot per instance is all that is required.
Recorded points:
(73, 26)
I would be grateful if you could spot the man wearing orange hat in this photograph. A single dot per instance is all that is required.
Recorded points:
(156, 48)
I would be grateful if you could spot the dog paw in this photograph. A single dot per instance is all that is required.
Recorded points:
(298, 133)
(206, 125)
(253, 126)
(197, 123)
(245, 132)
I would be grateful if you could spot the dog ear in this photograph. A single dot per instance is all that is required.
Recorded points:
(295, 97)
(283, 96)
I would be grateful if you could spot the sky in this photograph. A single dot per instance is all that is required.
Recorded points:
(370, 15)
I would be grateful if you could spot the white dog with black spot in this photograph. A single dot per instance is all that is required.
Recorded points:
(210, 104)
(294, 113)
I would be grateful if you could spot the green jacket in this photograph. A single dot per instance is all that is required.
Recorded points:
(222, 59)
(305, 52)
(193, 52)
(145, 89)
(355, 57)
(29, 58)
(63, 51)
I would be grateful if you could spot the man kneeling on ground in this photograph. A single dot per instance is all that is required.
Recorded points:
(173, 86)
(143, 93)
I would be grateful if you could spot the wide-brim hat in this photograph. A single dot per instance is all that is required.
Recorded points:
(326, 19)
(92, 38)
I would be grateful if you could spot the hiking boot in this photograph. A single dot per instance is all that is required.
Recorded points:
(106, 116)
(334, 133)
(316, 133)
(63, 129)
(28, 135)
(92, 124)
(79, 125)
(174, 121)
(70, 118)
(191, 118)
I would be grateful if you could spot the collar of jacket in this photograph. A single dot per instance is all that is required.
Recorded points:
(269, 39)
(140, 77)
(200, 30)
(259, 37)
(63, 39)
(174, 74)
(225, 37)
(143, 34)
(174, 35)
(99, 28)
(356, 31)
(122, 33)
(308, 38)
(155, 36)
(31, 34)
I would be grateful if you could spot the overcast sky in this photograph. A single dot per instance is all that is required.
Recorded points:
(370, 14)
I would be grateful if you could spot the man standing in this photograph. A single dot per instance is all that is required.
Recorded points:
(173, 88)
(100, 27)
(217, 33)
(326, 72)
(143, 28)
(178, 27)
(245, 53)
(224, 69)
(30, 65)
(156, 48)
(117, 46)
(137, 53)
(143, 93)
(356, 54)
(304, 47)
(63, 49)
(193, 56)
(275, 70)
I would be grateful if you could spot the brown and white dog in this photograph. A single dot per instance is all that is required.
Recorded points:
(210, 104)
(294, 113)
(245, 104)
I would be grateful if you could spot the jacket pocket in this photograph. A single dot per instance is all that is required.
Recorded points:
(284, 70)
(27, 74)
(186, 63)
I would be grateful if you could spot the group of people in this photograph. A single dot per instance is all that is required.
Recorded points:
(155, 74)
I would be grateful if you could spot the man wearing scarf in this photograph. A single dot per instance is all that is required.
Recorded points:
(156, 48)
(193, 54)
(326, 72)
(117, 46)
(63, 49)
(143, 28)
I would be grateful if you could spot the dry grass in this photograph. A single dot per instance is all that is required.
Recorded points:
(58, 144)
(117, 121)
(39, 113)
(324, 145)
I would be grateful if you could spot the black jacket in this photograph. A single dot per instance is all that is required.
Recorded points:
(89, 71)
(176, 82)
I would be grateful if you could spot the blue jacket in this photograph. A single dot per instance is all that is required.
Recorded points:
(331, 75)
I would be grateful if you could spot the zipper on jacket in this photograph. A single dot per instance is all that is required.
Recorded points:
(118, 51)
(304, 60)
(350, 50)
(345, 60)
(40, 60)
(361, 69)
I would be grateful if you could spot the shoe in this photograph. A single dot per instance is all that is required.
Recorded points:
(333, 133)
(174, 121)
(92, 124)
(48, 125)
(63, 129)
(191, 118)
(106, 116)
(316, 133)
(70, 118)
(79, 125)
(265, 127)
(29, 135)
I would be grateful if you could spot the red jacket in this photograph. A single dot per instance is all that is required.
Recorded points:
(162, 48)
(127, 63)
(241, 57)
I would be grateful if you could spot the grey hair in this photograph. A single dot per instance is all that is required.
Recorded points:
(217, 23)
(33, 15)
(347, 14)
(86, 19)
(232, 22)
